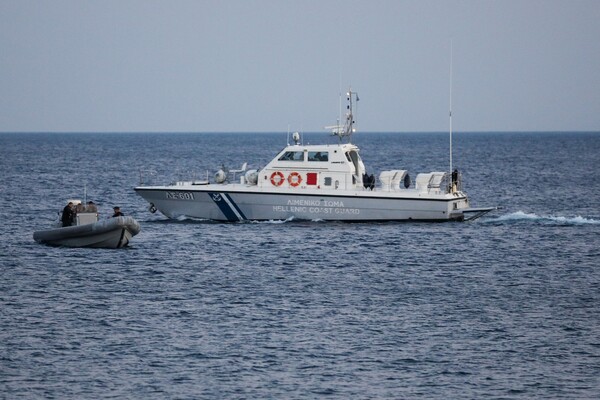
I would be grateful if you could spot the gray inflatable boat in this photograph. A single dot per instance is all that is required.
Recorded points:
(89, 231)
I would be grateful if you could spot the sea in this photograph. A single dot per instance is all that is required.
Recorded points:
(503, 307)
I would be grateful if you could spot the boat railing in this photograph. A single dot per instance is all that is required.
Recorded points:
(147, 176)
(233, 172)
(190, 177)
(150, 177)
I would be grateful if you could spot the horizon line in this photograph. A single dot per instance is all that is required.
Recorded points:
(310, 132)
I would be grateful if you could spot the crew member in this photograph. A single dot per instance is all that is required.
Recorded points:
(68, 214)
(454, 180)
(91, 207)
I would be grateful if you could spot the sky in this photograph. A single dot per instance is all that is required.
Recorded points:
(274, 66)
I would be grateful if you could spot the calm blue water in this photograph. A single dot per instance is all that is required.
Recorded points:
(507, 306)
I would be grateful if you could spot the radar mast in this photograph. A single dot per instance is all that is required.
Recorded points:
(347, 129)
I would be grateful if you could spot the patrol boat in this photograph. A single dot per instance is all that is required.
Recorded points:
(317, 182)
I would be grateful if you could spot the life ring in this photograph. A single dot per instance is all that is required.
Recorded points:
(277, 178)
(294, 179)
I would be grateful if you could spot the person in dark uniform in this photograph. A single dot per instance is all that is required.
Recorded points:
(454, 181)
(67, 215)
(118, 212)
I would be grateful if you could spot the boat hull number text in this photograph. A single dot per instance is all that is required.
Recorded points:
(180, 195)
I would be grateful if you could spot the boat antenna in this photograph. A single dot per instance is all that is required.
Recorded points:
(451, 106)
(338, 121)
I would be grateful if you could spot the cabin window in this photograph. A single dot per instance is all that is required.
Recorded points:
(327, 181)
(318, 156)
(292, 156)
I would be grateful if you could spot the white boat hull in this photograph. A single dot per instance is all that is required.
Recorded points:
(110, 233)
(237, 202)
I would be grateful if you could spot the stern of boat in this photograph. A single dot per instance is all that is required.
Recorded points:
(462, 210)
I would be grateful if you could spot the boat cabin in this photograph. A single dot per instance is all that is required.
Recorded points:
(337, 166)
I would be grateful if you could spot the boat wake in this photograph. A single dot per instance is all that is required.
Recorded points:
(274, 221)
(194, 220)
(179, 220)
(285, 221)
(183, 218)
(523, 217)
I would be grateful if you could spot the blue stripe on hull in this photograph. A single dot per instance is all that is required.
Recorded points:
(238, 211)
(227, 206)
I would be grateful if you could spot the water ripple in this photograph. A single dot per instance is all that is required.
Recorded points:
(507, 306)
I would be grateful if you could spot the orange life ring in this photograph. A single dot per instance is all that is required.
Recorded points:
(277, 178)
(294, 179)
